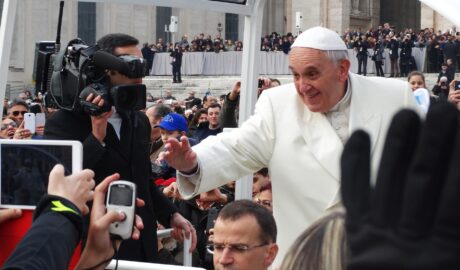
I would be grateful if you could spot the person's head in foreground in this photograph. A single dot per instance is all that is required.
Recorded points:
(416, 80)
(322, 246)
(244, 237)
(319, 63)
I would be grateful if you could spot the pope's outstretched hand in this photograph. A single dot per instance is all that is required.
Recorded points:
(179, 155)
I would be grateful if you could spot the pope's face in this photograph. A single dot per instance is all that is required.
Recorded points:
(319, 81)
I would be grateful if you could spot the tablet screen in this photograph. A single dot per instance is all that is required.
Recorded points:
(25, 170)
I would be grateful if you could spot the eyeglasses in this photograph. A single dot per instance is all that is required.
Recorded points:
(267, 203)
(235, 248)
(16, 113)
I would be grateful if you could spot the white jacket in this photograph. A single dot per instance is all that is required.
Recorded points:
(300, 148)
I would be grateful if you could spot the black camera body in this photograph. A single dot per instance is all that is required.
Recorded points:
(80, 70)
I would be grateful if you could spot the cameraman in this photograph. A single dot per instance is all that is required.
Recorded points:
(406, 55)
(118, 141)
(361, 46)
(176, 62)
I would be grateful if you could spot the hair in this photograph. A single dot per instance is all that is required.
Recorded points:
(161, 111)
(263, 172)
(275, 81)
(322, 246)
(109, 42)
(336, 56)
(215, 105)
(17, 102)
(241, 208)
(416, 73)
(194, 122)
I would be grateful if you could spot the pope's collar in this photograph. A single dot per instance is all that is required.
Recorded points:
(345, 101)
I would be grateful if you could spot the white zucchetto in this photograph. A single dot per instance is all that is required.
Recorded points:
(320, 38)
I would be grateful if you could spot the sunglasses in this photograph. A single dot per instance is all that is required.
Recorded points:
(16, 113)
(5, 126)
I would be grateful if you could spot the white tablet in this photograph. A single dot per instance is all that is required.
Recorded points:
(25, 167)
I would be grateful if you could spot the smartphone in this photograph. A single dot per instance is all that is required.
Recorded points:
(457, 85)
(121, 197)
(40, 119)
(29, 122)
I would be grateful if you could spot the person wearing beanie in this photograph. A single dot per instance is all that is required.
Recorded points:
(298, 131)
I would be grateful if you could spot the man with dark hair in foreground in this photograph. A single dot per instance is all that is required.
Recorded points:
(244, 237)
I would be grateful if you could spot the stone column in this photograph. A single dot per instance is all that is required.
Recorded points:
(338, 15)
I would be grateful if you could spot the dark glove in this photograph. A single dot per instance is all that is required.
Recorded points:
(410, 220)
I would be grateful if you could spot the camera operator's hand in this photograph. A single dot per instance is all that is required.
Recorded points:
(99, 250)
(410, 220)
(235, 91)
(99, 122)
(77, 188)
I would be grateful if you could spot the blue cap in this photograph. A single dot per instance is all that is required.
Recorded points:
(173, 122)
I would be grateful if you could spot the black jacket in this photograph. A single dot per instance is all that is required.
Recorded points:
(177, 57)
(130, 158)
(361, 47)
(51, 241)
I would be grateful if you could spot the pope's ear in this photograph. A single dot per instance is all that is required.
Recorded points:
(344, 67)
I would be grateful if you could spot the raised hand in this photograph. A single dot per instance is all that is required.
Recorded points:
(409, 220)
(77, 188)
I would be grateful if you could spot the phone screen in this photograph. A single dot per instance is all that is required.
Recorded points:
(121, 195)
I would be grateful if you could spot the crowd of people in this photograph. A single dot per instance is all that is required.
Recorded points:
(442, 47)
(202, 43)
(185, 168)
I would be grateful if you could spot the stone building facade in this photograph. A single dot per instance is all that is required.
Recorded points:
(37, 21)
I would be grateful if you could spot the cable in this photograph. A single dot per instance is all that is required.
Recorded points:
(105, 262)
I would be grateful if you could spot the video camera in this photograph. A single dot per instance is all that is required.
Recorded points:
(68, 76)
(80, 70)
